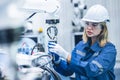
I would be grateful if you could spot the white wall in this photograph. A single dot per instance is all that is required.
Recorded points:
(114, 9)
(65, 27)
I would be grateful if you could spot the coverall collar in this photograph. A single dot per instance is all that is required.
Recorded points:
(95, 47)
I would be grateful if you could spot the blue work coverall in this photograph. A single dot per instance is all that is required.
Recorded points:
(90, 62)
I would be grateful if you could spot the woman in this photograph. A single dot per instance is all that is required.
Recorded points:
(94, 57)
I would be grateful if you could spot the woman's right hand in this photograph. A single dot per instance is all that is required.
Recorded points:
(55, 56)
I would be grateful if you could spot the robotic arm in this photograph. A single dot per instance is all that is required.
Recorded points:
(41, 6)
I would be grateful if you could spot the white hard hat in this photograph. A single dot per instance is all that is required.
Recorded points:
(96, 13)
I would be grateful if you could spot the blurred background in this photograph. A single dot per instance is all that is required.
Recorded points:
(35, 22)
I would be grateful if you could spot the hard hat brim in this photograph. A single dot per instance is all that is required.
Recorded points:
(88, 20)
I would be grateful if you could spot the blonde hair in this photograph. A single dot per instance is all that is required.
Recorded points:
(102, 37)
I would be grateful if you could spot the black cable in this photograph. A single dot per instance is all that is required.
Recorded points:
(36, 63)
(33, 49)
(31, 15)
(39, 47)
(49, 31)
(53, 73)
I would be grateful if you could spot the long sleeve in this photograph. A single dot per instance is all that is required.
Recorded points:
(63, 68)
(98, 65)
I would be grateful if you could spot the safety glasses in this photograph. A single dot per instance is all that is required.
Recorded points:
(92, 24)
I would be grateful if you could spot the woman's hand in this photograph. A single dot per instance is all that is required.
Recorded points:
(57, 49)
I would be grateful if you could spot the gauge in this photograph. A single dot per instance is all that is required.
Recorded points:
(25, 46)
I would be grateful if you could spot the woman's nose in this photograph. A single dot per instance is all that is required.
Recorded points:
(89, 26)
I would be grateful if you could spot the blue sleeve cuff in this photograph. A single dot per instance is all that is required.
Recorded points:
(57, 62)
(63, 68)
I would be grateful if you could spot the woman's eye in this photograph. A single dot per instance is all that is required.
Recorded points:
(87, 23)
(94, 24)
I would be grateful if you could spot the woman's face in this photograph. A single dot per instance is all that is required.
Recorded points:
(92, 29)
